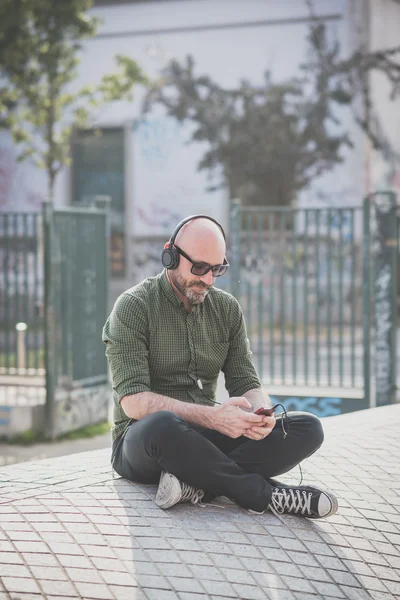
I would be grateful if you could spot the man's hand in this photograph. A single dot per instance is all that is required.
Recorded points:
(233, 420)
(258, 433)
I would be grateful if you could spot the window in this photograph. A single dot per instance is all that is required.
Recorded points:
(98, 170)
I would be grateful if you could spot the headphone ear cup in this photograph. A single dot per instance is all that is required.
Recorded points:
(170, 257)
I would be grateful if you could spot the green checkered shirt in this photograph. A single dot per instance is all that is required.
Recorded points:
(155, 345)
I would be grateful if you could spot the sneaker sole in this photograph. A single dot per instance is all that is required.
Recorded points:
(175, 495)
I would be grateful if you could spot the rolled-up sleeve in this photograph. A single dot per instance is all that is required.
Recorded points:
(239, 370)
(126, 337)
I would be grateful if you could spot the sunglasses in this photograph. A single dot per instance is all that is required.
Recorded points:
(202, 268)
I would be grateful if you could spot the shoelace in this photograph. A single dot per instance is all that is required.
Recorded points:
(191, 494)
(288, 500)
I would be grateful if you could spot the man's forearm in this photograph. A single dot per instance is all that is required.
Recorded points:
(258, 398)
(142, 404)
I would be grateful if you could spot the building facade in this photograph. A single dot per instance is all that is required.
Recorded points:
(147, 168)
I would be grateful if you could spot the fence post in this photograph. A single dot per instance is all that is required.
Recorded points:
(49, 324)
(366, 297)
(385, 246)
(235, 247)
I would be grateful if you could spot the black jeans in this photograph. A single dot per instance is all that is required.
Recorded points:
(221, 466)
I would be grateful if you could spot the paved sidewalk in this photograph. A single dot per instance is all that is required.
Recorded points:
(18, 453)
(69, 530)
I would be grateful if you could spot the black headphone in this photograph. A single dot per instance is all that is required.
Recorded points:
(170, 256)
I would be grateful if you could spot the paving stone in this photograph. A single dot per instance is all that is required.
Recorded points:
(343, 578)
(172, 570)
(203, 572)
(155, 581)
(85, 575)
(20, 584)
(23, 596)
(286, 568)
(283, 595)
(371, 583)
(159, 594)
(219, 588)
(275, 555)
(183, 584)
(328, 589)
(194, 558)
(238, 576)
(297, 584)
(45, 572)
(75, 561)
(393, 587)
(191, 596)
(315, 574)
(245, 550)
(58, 588)
(355, 593)
(247, 592)
(184, 544)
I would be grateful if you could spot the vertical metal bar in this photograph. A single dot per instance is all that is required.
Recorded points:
(282, 243)
(25, 281)
(366, 287)
(317, 297)
(294, 297)
(271, 219)
(394, 268)
(306, 340)
(353, 299)
(249, 266)
(235, 214)
(49, 321)
(260, 253)
(64, 233)
(7, 320)
(3, 324)
(17, 302)
(329, 295)
(38, 309)
(341, 218)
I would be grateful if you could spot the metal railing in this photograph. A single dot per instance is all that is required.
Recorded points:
(21, 294)
(298, 276)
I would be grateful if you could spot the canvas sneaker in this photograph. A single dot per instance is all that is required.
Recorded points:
(305, 500)
(171, 491)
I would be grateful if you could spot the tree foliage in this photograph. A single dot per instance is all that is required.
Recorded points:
(40, 42)
(271, 141)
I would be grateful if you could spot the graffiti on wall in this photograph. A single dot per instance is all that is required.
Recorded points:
(320, 406)
(167, 184)
(158, 215)
(147, 258)
(80, 407)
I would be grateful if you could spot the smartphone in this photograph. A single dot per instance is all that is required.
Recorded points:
(266, 411)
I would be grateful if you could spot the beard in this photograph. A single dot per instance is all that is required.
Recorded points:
(190, 289)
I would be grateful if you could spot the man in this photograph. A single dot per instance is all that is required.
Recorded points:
(168, 339)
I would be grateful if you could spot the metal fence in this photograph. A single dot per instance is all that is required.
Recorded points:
(53, 305)
(21, 294)
(298, 275)
(307, 281)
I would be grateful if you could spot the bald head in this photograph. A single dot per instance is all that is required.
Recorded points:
(203, 240)
(200, 241)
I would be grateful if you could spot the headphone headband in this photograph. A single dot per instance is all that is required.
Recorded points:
(191, 218)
